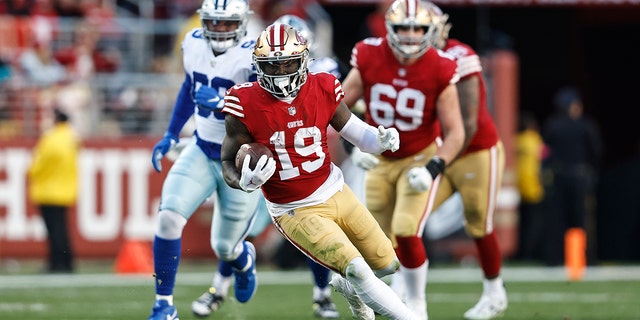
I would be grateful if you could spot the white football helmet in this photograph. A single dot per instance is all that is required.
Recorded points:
(413, 14)
(302, 27)
(218, 11)
(280, 57)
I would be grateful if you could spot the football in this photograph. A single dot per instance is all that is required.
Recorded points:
(255, 150)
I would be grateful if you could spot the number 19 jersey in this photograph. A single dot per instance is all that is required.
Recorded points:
(296, 133)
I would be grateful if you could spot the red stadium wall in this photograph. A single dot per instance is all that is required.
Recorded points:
(118, 201)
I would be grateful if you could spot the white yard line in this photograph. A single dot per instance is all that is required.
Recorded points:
(436, 275)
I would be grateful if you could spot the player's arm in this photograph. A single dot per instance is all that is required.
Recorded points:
(448, 109)
(353, 92)
(469, 96)
(183, 109)
(449, 115)
(368, 138)
(353, 87)
(237, 134)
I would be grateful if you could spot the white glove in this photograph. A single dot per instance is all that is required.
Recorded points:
(250, 180)
(363, 160)
(389, 138)
(420, 179)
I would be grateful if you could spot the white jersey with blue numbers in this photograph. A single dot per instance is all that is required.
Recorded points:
(220, 72)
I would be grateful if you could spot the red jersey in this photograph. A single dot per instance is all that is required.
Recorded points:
(469, 65)
(296, 132)
(403, 97)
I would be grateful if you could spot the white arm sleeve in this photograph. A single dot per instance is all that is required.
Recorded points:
(361, 135)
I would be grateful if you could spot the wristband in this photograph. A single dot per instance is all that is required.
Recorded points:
(435, 166)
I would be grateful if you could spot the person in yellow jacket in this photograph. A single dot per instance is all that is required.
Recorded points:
(53, 187)
(529, 155)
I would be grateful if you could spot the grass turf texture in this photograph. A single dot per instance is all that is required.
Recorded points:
(288, 296)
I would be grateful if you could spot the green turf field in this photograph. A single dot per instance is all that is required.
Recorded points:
(287, 295)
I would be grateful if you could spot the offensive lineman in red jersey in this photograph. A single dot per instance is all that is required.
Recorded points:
(289, 110)
(410, 86)
(477, 172)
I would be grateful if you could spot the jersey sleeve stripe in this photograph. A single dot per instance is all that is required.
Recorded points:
(231, 106)
(338, 90)
(228, 109)
(468, 65)
(354, 61)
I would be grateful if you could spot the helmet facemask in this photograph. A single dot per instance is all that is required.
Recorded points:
(410, 15)
(235, 15)
(280, 57)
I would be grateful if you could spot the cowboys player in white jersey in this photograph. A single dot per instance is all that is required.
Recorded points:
(216, 57)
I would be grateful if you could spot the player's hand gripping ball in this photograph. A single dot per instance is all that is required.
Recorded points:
(255, 150)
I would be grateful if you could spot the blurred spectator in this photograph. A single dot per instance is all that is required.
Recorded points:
(5, 114)
(45, 8)
(128, 8)
(67, 8)
(83, 59)
(529, 154)
(270, 10)
(37, 62)
(374, 25)
(575, 149)
(5, 70)
(54, 187)
(102, 14)
(135, 110)
(16, 7)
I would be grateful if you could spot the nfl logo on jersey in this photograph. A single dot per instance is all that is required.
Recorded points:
(292, 111)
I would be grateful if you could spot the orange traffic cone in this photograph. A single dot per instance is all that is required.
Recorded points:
(575, 253)
(134, 257)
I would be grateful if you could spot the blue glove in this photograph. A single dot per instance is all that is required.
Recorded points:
(161, 148)
(209, 98)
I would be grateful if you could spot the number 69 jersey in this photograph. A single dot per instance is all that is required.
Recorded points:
(296, 133)
(403, 97)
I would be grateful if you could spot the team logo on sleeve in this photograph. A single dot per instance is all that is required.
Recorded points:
(292, 110)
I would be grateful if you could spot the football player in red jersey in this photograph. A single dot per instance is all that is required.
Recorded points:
(410, 86)
(290, 109)
(477, 172)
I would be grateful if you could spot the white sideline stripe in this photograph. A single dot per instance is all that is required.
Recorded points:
(301, 277)
(514, 297)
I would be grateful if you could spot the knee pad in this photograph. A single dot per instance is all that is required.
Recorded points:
(358, 270)
(390, 269)
(170, 225)
(225, 250)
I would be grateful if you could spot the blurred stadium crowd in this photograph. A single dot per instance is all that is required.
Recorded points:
(113, 65)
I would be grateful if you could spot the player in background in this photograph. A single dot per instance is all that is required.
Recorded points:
(289, 110)
(215, 57)
(477, 172)
(408, 85)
